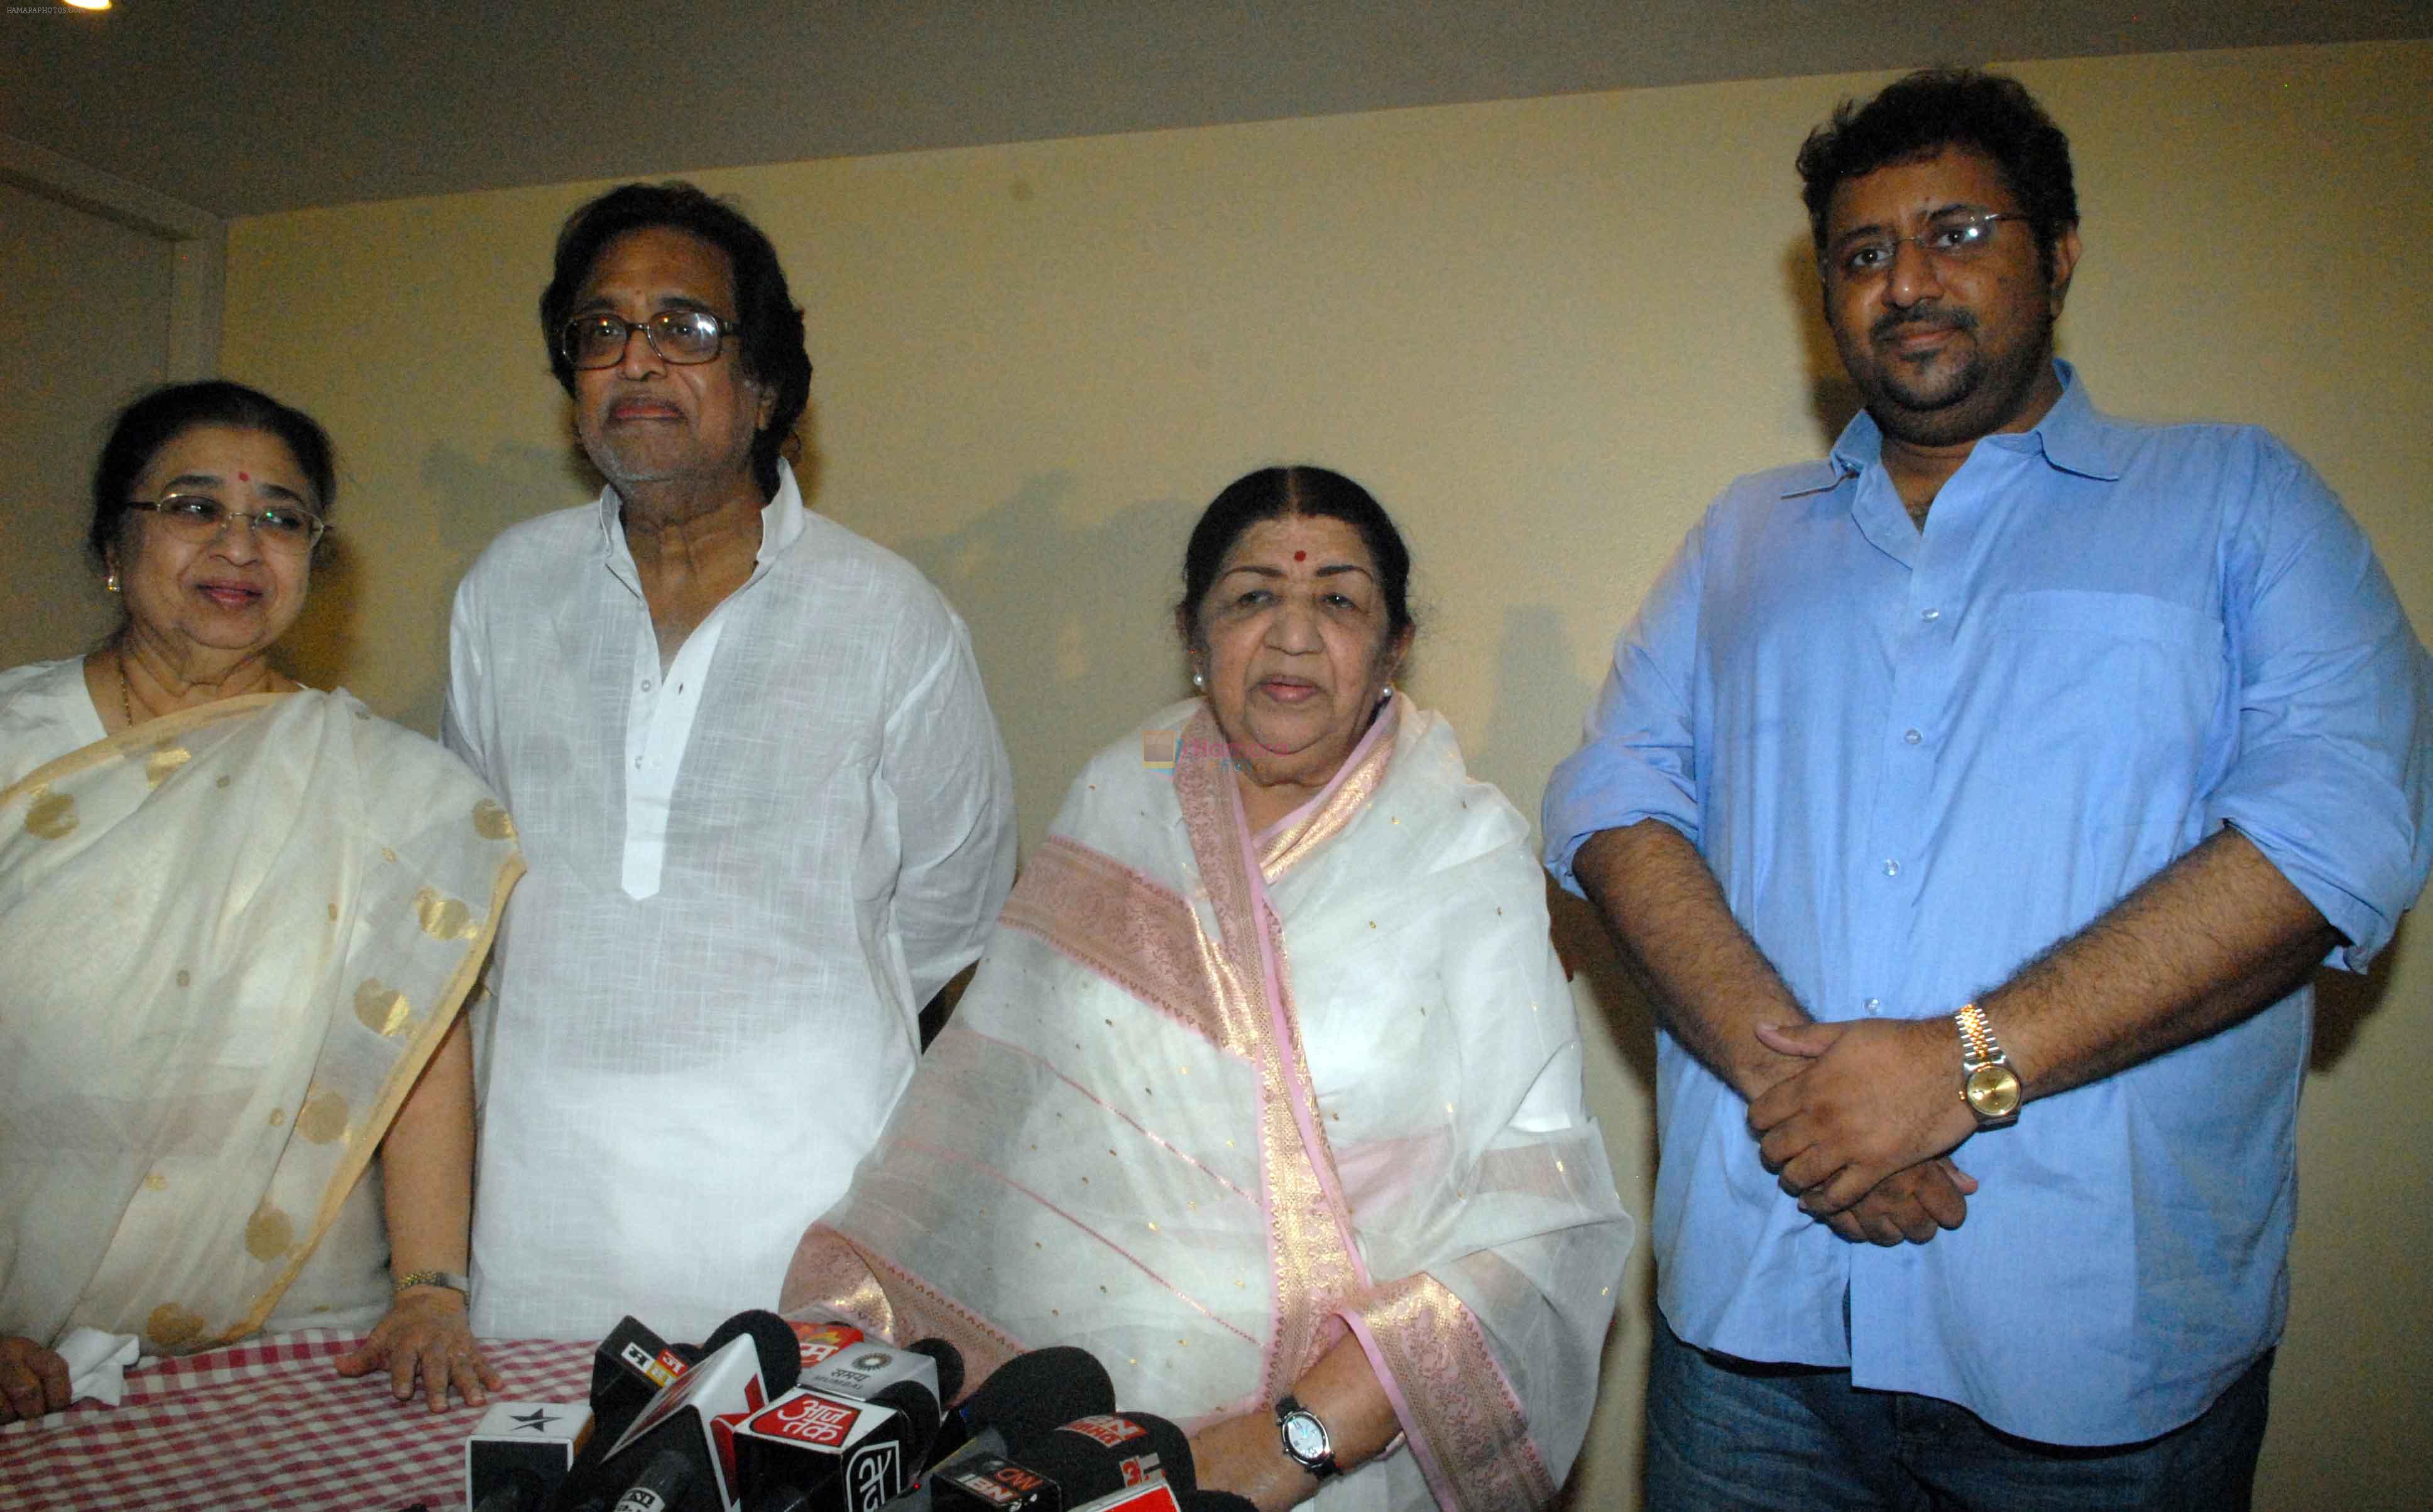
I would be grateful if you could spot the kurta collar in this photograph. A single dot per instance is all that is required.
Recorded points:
(781, 525)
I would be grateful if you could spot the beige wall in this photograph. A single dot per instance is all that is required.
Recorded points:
(1545, 332)
(101, 289)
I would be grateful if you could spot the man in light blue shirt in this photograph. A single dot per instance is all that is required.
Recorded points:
(1975, 806)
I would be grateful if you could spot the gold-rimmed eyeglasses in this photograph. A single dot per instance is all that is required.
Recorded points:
(199, 518)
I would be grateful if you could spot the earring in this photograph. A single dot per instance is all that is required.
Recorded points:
(109, 583)
(1200, 680)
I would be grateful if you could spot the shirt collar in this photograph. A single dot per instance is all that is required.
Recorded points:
(2074, 436)
(781, 525)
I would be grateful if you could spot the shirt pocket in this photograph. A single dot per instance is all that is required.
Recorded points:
(2115, 697)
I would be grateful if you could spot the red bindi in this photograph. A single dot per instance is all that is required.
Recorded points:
(244, 477)
(1301, 556)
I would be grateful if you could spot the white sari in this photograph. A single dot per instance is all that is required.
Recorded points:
(1214, 1100)
(234, 937)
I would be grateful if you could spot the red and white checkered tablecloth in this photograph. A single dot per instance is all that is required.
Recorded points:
(267, 1424)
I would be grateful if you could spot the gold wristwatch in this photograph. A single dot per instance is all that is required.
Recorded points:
(1987, 1084)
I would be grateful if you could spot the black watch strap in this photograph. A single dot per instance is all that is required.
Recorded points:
(1306, 1442)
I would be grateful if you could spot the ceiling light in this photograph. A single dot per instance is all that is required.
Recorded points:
(90, 5)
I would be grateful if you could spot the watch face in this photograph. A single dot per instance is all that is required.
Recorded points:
(1993, 1091)
(1304, 1437)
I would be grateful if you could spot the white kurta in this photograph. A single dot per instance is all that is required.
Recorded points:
(748, 871)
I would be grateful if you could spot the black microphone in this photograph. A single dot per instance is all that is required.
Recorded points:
(666, 1481)
(854, 1433)
(949, 1362)
(811, 1453)
(632, 1366)
(1029, 1395)
(1109, 1452)
(749, 1360)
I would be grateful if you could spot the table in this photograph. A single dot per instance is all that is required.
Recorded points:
(268, 1423)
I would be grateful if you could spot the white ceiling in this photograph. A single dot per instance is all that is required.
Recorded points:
(241, 107)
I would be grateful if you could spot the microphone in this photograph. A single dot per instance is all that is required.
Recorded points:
(752, 1357)
(821, 1340)
(632, 1366)
(854, 1432)
(665, 1482)
(1134, 1459)
(1110, 1452)
(521, 1451)
(1029, 1395)
(811, 1453)
(1156, 1496)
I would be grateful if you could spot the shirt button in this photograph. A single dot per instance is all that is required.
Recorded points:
(1931, 616)
(646, 685)
(1873, 1004)
(1911, 736)
(1892, 868)
(637, 766)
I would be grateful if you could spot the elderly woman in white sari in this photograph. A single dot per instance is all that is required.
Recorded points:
(239, 919)
(1267, 1090)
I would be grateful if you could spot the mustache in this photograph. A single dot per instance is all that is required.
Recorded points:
(1929, 318)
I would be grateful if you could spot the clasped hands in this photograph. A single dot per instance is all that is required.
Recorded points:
(1861, 1131)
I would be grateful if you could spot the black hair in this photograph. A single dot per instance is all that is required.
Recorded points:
(1988, 113)
(770, 343)
(165, 414)
(1288, 493)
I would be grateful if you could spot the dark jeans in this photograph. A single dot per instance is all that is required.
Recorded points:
(1728, 1433)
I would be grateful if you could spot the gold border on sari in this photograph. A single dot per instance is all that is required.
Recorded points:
(1347, 794)
(1469, 1420)
(1309, 1248)
(1138, 935)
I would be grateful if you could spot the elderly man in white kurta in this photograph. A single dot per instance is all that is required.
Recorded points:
(766, 809)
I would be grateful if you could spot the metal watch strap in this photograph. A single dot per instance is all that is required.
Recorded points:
(431, 1278)
(1321, 1464)
(1989, 1085)
(1978, 1045)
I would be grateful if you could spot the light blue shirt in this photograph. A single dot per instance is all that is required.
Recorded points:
(1913, 760)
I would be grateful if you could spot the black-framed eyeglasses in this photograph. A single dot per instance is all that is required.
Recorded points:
(1956, 236)
(681, 336)
(199, 518)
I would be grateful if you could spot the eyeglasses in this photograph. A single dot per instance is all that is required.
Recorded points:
(1959, 237)
(199, 518)
(681, 336)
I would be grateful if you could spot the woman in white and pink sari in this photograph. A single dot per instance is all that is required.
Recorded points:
(1268, 1092)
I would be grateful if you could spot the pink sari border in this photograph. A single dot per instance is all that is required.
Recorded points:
(1422, 1453)
(1298, 1092)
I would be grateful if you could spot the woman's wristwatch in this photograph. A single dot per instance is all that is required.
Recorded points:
(431, 1278)
(1306, 1442)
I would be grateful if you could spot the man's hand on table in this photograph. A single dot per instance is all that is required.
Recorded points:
(33, 1381)
(426, 1333)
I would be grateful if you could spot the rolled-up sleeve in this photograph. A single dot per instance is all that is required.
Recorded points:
(2330, 775)
(1636, 760)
